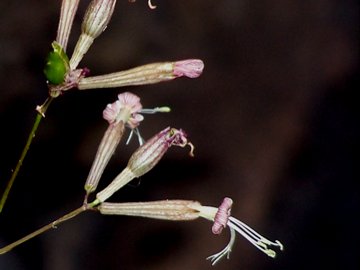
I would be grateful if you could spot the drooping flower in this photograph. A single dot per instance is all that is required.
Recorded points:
(144, 159)
(190, 210)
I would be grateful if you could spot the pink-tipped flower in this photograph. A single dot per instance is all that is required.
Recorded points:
(96, 19)
(145, 158)
(123, 111)
(67, 14)
(221, 218)
(146, 74)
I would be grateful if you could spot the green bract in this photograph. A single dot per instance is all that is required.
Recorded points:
(57, 64)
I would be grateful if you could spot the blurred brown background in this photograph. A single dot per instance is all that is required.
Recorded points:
(274, 119)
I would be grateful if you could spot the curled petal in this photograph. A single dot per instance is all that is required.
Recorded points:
(126, 108)
(131, 101)
(111, 111)
(191, 68)
(222, 216)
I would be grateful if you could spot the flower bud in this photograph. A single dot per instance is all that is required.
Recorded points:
(148, 155)
(96, 19)
(146, 74)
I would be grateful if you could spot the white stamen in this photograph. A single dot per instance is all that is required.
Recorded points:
(254, 238)
(151, 6)
(137, 133)
(226, 251)
(163, 109)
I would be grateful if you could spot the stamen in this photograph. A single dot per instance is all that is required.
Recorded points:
(151, 6)
(254, 238)
(135, 131)
(163, 109)
(226, 251)
(192, 148)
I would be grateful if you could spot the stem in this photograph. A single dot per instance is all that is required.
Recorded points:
(41, 114)
(50, 226)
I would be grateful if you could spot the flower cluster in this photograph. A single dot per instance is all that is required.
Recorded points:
(127, 111)
(63, 74)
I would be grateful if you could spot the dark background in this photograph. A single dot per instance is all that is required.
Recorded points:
(274, 119)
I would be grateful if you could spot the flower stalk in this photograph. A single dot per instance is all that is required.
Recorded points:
(41, 110)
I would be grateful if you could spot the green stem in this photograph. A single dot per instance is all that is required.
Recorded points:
(41, 114)
(52, 225)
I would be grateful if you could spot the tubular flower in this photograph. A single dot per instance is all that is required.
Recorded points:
(123, 111)
(144, 159)
(190, 210)
(146, 74)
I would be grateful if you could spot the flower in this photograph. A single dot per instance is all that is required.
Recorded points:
(123, 111)
(96, 19)
(144, 159)
(221, 217)
(146, 74)
(190, 210)
(126, 109)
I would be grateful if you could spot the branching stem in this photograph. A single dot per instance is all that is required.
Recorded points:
(41, 114)
(52, 225)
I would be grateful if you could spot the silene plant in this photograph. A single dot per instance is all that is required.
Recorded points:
(63, 74)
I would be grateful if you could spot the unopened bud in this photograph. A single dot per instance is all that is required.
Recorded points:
(96, 19)
(146, 74)
(144, 159)
(148, 155)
